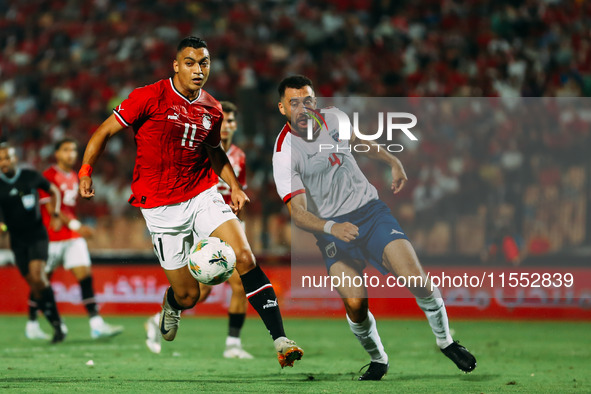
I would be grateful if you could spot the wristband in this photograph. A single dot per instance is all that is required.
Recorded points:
(328, 226)
(74, 225)
(85, 170)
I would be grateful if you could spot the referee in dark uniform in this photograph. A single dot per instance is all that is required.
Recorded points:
(20, 215)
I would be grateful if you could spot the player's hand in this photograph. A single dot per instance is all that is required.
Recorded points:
(399, 177)
(86, 190)
(56, 223)
(86, 232)
(345, 231)
(239, 200)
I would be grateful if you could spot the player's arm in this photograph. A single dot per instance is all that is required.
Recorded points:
(56, 204)
(222, 167)
(306, 220)
(399, 177)
(94, 149)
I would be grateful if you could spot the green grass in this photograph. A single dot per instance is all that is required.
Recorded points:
(512, 357)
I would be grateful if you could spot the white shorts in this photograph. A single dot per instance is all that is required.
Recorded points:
(176, 228)
(69, 253)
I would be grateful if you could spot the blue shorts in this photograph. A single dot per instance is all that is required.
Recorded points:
(377, 228)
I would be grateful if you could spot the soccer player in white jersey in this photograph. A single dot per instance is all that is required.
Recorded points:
(328, 195)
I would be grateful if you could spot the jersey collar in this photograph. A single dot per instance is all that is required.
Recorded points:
(12, 180)
(58, 169)
(183, 97)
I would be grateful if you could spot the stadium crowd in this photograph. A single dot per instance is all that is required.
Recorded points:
(65, 64)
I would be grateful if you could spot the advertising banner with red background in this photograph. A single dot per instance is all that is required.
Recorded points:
(138, 290)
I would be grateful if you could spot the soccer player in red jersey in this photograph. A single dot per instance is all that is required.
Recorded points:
(179, 157)
(238, 302)
(67, 246)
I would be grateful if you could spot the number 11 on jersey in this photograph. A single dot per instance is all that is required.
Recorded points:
(187, 126)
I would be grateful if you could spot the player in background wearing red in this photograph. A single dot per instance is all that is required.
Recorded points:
(179, 157)
(67, 246)
(238, 301)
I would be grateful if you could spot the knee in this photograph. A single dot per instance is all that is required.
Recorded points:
(356, 309)
(37, 280)
(245, 260)
(187, 298)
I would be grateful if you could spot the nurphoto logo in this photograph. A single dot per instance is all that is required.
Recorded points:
(343, 131)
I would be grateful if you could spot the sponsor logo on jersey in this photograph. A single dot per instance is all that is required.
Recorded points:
(174, 117)
(13, 192)
(330, 250)
(206, 121)
(394, 231)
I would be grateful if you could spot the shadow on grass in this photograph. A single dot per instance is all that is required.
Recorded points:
(468, 377)
(210, 379)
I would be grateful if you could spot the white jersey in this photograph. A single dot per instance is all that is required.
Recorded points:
(330, 177)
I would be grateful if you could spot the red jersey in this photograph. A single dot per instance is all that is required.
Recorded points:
(237, 160)
(171, 164)
(67, 183)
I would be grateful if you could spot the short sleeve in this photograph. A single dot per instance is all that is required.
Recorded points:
(133, 108)
(214, 138)
(40, 182)
(287, 180)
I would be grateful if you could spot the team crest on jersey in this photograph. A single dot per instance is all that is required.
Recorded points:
(335, 135)
(331, 250)
(206, 121)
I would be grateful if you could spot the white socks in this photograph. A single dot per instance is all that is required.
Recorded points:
(367, 334)
(436, 314)
(233, 341)
(96, 322)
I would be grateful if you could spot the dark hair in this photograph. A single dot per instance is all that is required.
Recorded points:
(295, 82)
(191, 42)
(228, 107)
(65, 140)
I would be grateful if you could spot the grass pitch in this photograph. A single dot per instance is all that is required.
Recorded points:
(512, 357)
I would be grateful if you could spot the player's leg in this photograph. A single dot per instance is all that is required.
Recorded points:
(236, 318)
(182, 294)
(33, 329)
(400, 258)
(42, 291)
(173, 236)
(258, 290)
(360, 319)
(77, 261)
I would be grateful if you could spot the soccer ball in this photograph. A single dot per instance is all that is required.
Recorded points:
(212, 261)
